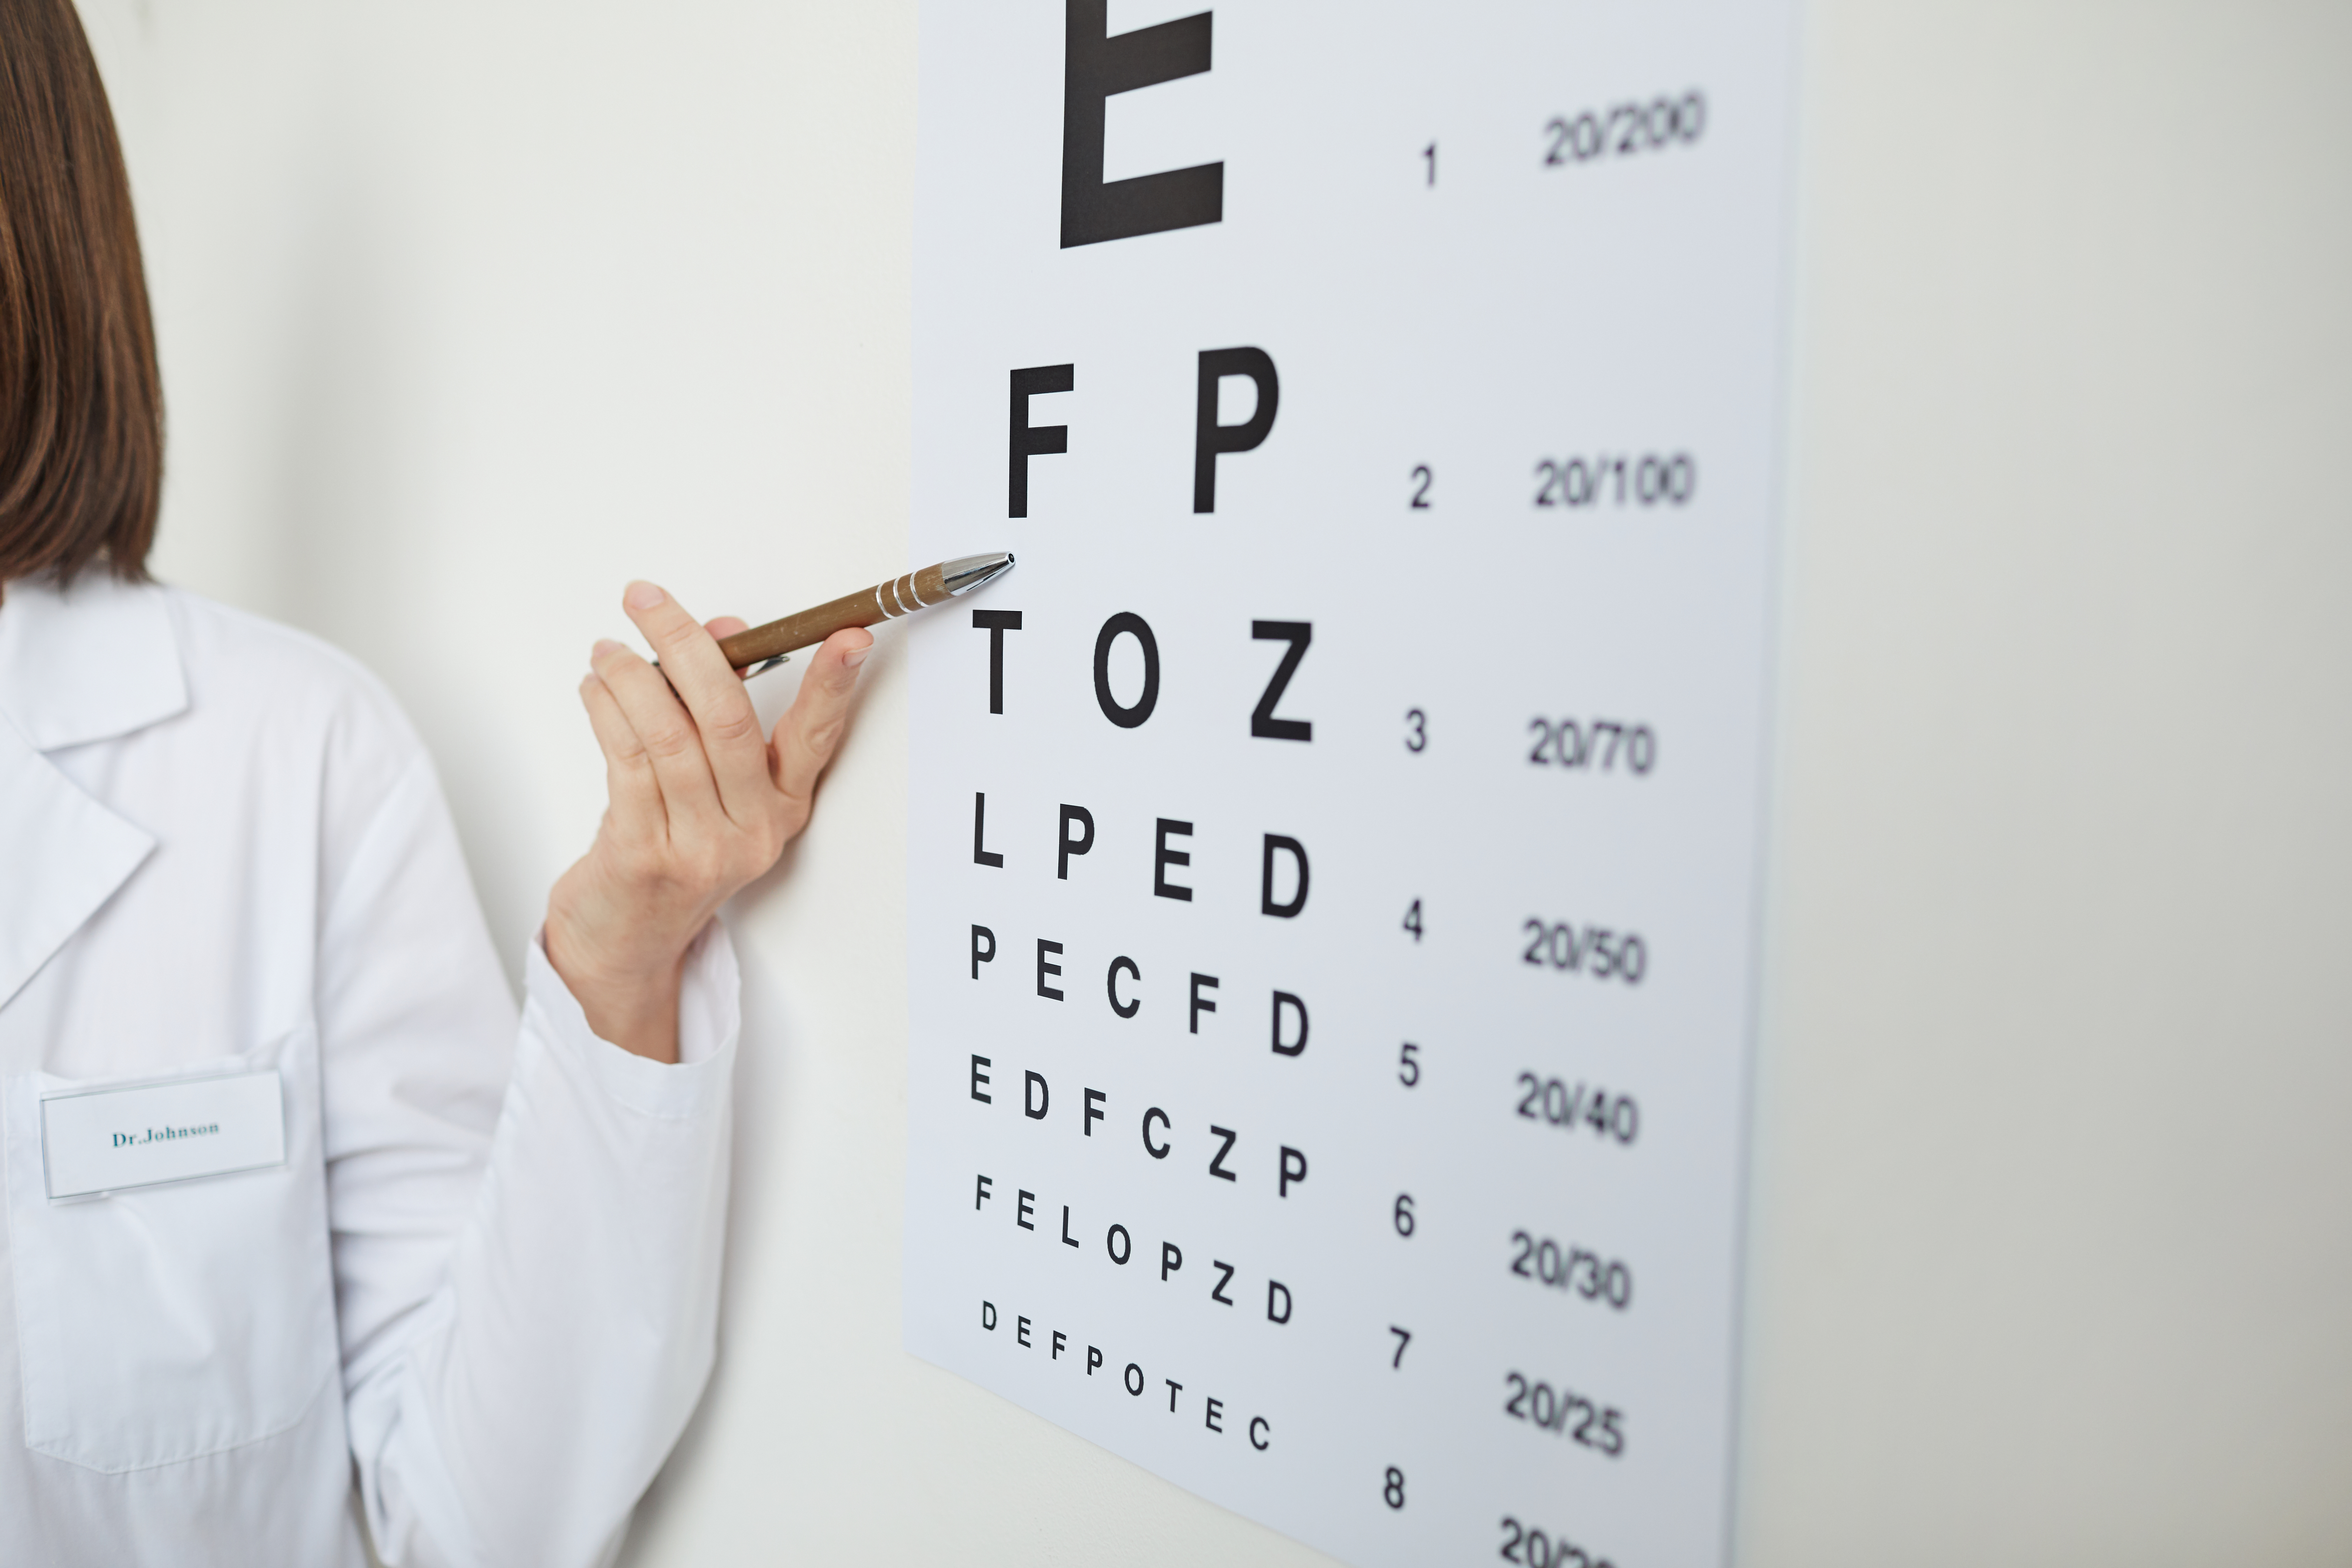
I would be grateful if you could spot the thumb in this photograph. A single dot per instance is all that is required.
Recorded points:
(810, 730)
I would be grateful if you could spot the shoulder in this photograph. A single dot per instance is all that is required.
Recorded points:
(279, 716)
(245, 669)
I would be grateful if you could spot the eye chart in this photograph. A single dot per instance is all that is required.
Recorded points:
(1335, 847)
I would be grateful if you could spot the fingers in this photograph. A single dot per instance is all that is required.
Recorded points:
(636, 810)
(811, 733)
(726, 627)
(723, 722)
(673, 748)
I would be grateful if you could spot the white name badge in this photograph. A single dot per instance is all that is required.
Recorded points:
(104, 1140)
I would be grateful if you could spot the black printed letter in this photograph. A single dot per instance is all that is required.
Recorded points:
(1210, 440)
(1126, 622)
(1095, 66)
(1031, 441)
(1084, 819)
(982, 856)
(1162, 857)
(1217, 1160)
(1201, 1004)
(1281, 1000)
(997, 623)
(1110, 983)
(1262, 723)
(1277, 843)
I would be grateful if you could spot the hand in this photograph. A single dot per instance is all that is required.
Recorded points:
(700, 803)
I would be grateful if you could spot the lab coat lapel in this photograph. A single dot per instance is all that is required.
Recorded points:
(74, 668)
(64, 856)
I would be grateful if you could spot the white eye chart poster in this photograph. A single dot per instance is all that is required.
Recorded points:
(1334, 849)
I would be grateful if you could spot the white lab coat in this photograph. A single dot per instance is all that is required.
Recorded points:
(485, 1281)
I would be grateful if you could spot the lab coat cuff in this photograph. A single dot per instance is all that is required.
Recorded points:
(709, 1020)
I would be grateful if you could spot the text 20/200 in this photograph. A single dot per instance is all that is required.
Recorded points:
(1625, 129)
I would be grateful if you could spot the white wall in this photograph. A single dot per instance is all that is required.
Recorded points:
(472, 311)
(2051, 1236)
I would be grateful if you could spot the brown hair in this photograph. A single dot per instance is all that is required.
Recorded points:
(81, 405)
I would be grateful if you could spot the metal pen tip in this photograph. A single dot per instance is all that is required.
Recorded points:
(970, 572)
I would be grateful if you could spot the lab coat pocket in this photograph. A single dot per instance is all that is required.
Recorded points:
(163, 1322)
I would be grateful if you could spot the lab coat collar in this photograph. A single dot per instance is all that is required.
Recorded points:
(87, 663)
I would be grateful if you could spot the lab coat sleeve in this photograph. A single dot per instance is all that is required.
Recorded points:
(526, 1221)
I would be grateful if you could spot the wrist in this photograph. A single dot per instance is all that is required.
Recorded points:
(630, 1001)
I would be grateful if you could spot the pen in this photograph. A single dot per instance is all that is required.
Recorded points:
(768, 646)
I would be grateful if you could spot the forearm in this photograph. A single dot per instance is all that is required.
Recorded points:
(551, 1373)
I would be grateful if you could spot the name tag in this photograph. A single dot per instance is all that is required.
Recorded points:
(104, 1140)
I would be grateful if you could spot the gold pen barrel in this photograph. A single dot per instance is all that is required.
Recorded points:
(868, 606)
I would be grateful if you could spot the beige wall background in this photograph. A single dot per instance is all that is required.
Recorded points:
(472, 311)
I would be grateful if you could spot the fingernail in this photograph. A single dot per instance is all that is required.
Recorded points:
(857, 655)
(642, 596)
(603, 646)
